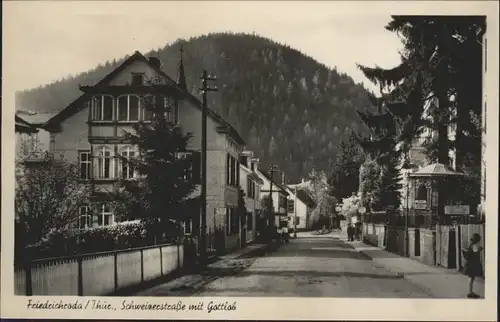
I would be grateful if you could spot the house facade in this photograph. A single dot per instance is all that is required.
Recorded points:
(92, 131)
(250, 183)
(279, 196)
(296, 209)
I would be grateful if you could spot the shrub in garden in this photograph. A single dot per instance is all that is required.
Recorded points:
(64, 242)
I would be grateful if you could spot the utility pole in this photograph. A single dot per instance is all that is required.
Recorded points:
(272, 169)
(203, 196)
(407, 212)
(295, 215)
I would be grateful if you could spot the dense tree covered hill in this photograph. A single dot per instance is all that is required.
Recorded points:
(292, 110)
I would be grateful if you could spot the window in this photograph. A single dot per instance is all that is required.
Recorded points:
(232, 171)
(137, 79)
(127, 170)
(188, 226)
(128, 108)
(252, 166)
(291, 205)
(105, 163)
(282, 201)
(250, 188)
(147, 107)
(102, 108)
(228, 169)
(105, 217)
(194, 171)
(85, 164)
(421, 192)
(84, 217)
(244, 160)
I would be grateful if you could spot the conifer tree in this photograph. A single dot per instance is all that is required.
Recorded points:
(167, 172)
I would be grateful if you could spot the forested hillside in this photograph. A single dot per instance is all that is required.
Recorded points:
(292, 110)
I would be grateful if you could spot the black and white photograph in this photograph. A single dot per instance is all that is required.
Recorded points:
(189, 156)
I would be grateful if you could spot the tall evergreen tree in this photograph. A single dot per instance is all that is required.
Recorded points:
(168, 173)
(441, 55)
(344, 173)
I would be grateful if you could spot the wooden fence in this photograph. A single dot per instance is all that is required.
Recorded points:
(450, 240)
(99, 273)
(440, 245)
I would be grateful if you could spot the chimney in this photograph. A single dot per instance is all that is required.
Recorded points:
(302, 180)
(155, 62)
(283, 178)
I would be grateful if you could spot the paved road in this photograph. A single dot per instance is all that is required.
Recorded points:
(307, 266)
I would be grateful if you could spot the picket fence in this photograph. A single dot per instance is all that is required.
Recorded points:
(97, 274)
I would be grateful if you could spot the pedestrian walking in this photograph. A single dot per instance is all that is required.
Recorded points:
(473, 266)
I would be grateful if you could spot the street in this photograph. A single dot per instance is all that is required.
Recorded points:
(316, 266)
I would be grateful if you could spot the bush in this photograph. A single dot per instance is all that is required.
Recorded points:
(65, 242)
(350, 207)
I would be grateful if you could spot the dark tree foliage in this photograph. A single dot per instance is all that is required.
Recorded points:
(344, 174)
(287, 106)
(167, 172)
(440, 72)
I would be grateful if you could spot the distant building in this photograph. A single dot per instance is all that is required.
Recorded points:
(279, 196)
(91, 130)
(251, 184)
(296, 209)
(31, 137)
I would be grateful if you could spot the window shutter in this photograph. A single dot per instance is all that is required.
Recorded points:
(196, 167)
(227, 169)
(237, 173)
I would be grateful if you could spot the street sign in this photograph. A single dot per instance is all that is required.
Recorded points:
(420, 204)
(457, 210)
(362, 210)
(338, 209)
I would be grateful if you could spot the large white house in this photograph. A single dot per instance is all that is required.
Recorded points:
(297, 209)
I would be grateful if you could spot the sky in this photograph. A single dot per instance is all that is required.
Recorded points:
(47, 40)
(53, 40)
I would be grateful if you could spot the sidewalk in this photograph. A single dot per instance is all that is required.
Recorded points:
(188, 284)
(438, 281)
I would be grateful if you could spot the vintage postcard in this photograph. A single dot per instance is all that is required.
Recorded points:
(250, 160)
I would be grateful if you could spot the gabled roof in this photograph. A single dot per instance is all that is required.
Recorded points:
(23, 126)
(77, 104)
(283, 188)
(35, 118)
(435, 170)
